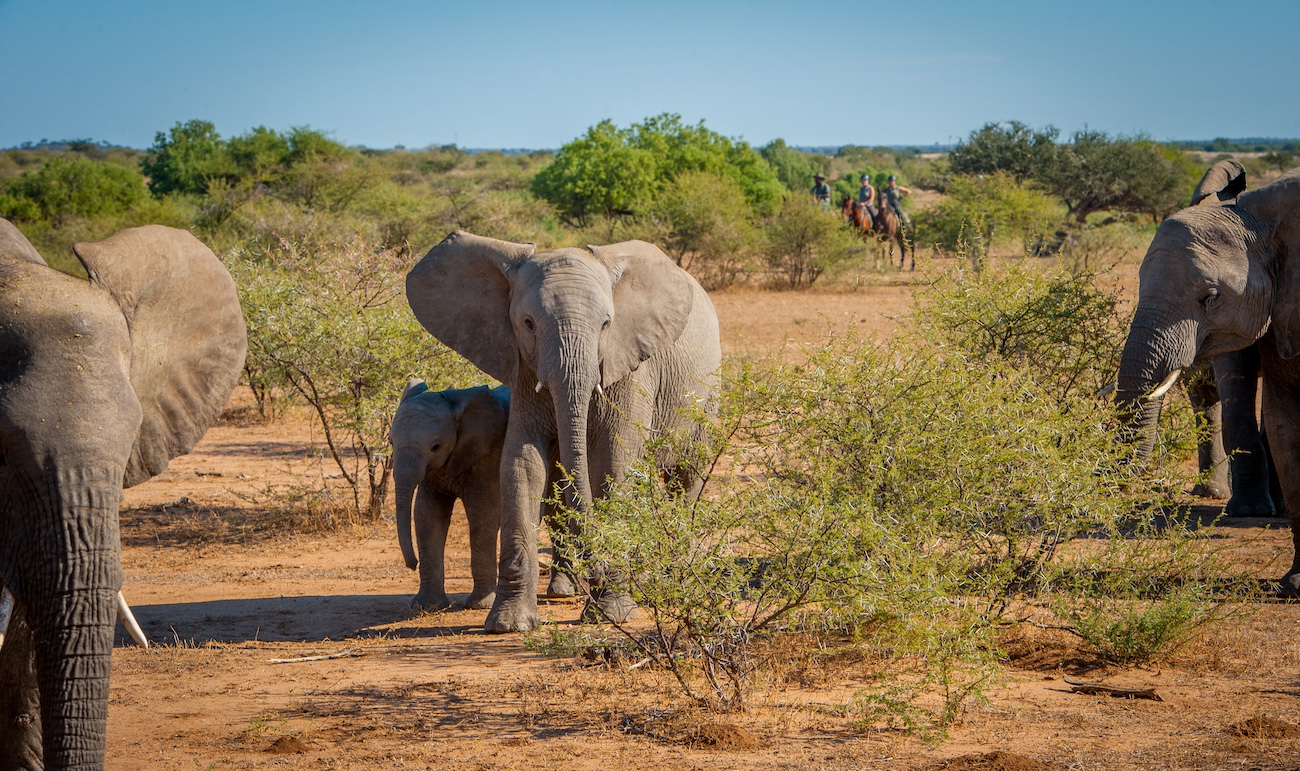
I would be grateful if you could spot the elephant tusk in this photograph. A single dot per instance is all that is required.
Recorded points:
(128, 621)
(537, 389)
(600, 391)
(1108, 388)
(6, 610)
(1165, 385)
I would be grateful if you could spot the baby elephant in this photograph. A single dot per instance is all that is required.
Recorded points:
(447, 445)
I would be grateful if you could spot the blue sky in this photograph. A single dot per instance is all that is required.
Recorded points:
(507, 74)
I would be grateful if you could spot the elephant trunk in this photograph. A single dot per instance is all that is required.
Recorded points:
(571, 388)
(1153, 355)
(408, 472)
(69, 594)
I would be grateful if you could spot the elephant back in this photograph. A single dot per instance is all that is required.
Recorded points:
(187, 335)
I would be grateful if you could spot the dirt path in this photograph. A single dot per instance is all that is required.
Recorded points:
(221, 596)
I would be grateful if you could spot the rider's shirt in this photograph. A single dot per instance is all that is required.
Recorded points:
(866, 195)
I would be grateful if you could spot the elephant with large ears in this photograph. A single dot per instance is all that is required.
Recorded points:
(102, 382)
(1221, 276)
(602, 347)
(447, 446)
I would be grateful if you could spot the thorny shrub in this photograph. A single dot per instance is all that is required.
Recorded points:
(328, 324)
(909, 500)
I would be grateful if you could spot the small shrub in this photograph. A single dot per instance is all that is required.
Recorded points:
(805, 241)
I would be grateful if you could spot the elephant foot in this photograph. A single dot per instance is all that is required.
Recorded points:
(561, 585)
(1208, 490)
(1248, 505)
(430, 602)
(511, 616)
(610, 607)
(1288, 588)
(481, 600)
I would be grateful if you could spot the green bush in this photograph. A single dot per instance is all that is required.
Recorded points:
(185, 158)
(708, 227)
(70, 186)
(981, 211)
(804, 241)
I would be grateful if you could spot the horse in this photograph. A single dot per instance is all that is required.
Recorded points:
(889, 228)
(856, 215)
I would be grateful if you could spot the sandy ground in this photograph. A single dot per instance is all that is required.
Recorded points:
(221, 595)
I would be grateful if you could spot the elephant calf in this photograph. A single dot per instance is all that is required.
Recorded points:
(447, 445)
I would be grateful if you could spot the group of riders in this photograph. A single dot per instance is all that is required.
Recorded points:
(883, 221)
(892, 196)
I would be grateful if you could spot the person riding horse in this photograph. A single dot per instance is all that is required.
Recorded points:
(821, 191)
(867, 196)
(894, 195)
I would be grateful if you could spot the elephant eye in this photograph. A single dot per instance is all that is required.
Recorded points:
(1210, 297)
(529, 325)
(436, 446)
(604, 326)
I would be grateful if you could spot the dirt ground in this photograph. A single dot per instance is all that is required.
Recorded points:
(221, 596)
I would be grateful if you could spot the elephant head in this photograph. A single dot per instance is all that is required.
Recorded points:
(102, 382)
(568, 322)
(1216, 277)
(440, 433)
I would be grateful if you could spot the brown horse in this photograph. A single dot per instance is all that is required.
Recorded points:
(889, 228)
(856, 215)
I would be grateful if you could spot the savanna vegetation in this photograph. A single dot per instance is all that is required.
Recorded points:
(908, 499)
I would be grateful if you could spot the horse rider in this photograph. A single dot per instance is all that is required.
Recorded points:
(867, 195)
(894, 195)
(821, 191)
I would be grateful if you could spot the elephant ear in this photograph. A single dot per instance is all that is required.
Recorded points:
(652, 303)
(15, 246)
(1275, 211)
(480, 429)
(1223, 182)
(414, 387)
(460, 293)
(187, 335)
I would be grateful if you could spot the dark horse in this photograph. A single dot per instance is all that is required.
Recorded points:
(884, 226)
(889, 228)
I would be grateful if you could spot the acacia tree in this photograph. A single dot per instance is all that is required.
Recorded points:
(1095, 172)
(1013, 148)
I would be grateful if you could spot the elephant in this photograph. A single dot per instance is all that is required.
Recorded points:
(1217, 279)
(447, 445)
(102, 382)
(1234, 455)
(602, 347)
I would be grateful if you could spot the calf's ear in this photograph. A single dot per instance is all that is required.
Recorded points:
(1223, 182)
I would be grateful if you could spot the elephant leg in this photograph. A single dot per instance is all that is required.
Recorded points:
(1282, 422)
(1210, 458)
(432, 519)
(484, 523)
(1237, 376)
(523, 487)
(564, 583)
(1274, 485)
(616, 440)
(20, 709)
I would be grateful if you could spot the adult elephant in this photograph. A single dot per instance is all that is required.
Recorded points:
(102, 382)
(1223, 394)
(1217, 279)
(600, 346)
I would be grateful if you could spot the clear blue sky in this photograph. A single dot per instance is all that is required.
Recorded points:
(536, 74)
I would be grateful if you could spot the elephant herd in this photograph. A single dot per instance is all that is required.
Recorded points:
(601, 350)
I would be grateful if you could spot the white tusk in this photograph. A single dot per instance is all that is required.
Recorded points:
(538, 388)
(6, 610)
(1165, 385)
(1110, 387)
(600, 391)
(128, 621)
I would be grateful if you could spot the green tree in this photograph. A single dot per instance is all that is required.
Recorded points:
(1280, 159)
(72, 186)
(260, 155)
(185, 158)
(1014, 148)
(1096, 172)
(598, 173)
(793, 168)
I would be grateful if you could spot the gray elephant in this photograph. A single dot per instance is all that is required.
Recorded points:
(102, 382)
(1218, 278)
(601, 346)
(447, 445)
